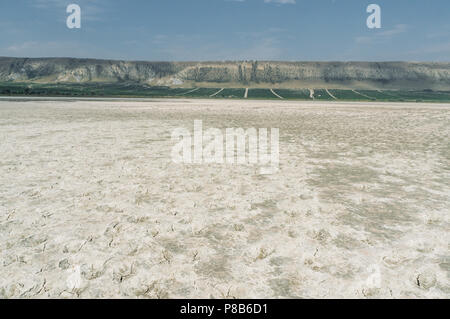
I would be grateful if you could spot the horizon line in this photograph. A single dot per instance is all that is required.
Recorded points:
(223, 61)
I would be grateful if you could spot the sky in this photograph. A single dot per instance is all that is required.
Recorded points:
(217, 30)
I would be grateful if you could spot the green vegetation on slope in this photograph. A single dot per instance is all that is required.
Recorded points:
(350, 95)
(231, 94)
(301, 94)
(201, 92)
(140, 90)
(321, 94)
(260, 94)
(86, 90)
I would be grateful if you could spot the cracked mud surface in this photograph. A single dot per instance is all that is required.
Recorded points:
(91, 205)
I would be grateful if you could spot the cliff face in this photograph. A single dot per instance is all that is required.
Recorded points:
(227, 74)
(81, 70)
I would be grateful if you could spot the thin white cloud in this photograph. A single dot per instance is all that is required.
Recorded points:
(438, 48)
(382, 35)
(22, 47)
(35, 49)
(269, 1)
(281, 1)
(45, 4)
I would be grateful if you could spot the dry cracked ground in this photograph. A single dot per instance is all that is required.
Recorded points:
(92, 206)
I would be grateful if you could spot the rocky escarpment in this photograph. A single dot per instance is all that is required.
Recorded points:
(82, 70)
(249, 73)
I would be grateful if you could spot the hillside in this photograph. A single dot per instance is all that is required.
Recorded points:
(370, 75)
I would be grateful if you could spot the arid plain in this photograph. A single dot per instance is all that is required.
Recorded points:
(92, 206)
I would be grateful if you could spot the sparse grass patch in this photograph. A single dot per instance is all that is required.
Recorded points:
(302, 94)
(348, 95)
(321, 94)
(231, 94)
(260, 94)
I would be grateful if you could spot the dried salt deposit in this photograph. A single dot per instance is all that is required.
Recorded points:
(91, 205)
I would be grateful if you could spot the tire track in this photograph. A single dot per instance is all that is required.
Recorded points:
(278, 96)
(191, 91)
(214, 94)
(366, 96)
(326, 90)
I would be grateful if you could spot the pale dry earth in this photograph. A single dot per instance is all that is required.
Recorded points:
(92, 206)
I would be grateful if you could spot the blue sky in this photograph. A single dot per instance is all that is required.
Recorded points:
(198, 30)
